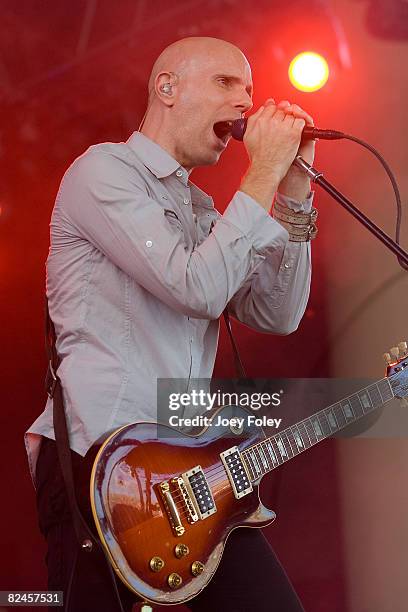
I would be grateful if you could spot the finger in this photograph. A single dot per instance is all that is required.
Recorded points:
(296, 111)
(299, 124)
(279, 114)
(284, 104)
(258, 112)
(269, 106)
(255, 116)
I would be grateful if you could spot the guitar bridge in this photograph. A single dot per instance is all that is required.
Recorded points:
(171, 509)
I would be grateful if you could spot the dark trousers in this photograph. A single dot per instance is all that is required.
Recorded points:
(249, 577)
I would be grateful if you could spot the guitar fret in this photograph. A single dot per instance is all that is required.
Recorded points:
(375, 395)
(272, 453)
(307, 441)
(331, 419)
(310, 431)
(292, 441)
(287, 444)
(347, 410)
(277, 456)
(267, 454)
(280, 448)
(324, 422)
(258, 458)
(263, 457)
(317, 430)
(254, 462)
(248, 465)
(340, 418)
(298, 440)
(385, 390)
(365, 401)
(356, 406)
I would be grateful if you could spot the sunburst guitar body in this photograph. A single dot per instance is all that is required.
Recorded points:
(164, 503)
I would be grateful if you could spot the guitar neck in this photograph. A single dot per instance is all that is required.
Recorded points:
(272, 452)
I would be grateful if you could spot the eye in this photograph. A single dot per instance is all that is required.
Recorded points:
(224, 80)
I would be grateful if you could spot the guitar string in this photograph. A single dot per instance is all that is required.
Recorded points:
(213, 473)
(213, 476)
(214, 479)
(179, 497)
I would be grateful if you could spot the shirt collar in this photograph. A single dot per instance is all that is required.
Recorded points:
(162, 164)
(156, 159)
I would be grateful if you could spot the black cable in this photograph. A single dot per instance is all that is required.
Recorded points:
(115, 585)
(394, 186)
(71, 578)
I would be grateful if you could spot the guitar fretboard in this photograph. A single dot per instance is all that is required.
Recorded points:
(272, 452)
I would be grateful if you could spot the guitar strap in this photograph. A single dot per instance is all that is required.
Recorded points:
(86, 539)
(239, 368)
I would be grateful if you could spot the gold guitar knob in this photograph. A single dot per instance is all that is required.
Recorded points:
(197, 568)
(395, 352)
(181, 550)
(174, 580)
(403, 348)
(387, 358)
(156, 564)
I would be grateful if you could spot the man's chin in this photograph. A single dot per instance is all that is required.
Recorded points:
(213, 159)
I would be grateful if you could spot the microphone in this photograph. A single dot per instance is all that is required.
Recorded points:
(309, 133)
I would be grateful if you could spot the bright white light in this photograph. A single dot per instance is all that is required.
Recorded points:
(308, 71)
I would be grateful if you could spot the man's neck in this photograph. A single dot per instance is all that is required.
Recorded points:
(159, 137)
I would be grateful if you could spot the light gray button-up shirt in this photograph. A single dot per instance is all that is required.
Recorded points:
(136, 282)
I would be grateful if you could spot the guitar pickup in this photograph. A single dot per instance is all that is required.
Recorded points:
(236, 472)
(199, 491)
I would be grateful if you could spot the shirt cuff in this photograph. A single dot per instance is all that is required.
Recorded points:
(305, 206)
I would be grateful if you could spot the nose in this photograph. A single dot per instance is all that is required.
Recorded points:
(245, 102)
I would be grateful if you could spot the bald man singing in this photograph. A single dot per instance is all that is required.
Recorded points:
(140, 268)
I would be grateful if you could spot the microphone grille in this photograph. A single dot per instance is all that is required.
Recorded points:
(238, 128)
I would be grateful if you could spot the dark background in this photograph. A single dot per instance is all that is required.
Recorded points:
(75, 73)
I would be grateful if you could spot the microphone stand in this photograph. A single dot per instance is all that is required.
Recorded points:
(317, 177)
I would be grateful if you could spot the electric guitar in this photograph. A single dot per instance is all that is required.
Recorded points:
(164, 503)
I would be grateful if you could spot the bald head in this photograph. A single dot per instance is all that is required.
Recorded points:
(196, 82)
(192, 54)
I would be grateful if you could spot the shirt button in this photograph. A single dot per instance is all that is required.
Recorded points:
(286, 265)
(186, 201)
(179, 173)
(149, 243)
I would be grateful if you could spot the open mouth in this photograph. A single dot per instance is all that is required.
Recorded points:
(222, 130)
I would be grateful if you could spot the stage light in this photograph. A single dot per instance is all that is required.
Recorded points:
(308, 71)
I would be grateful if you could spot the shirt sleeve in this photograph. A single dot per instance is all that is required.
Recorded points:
(273, 298)
(105, 201)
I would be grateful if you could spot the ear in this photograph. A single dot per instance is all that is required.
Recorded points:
(168, 80)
